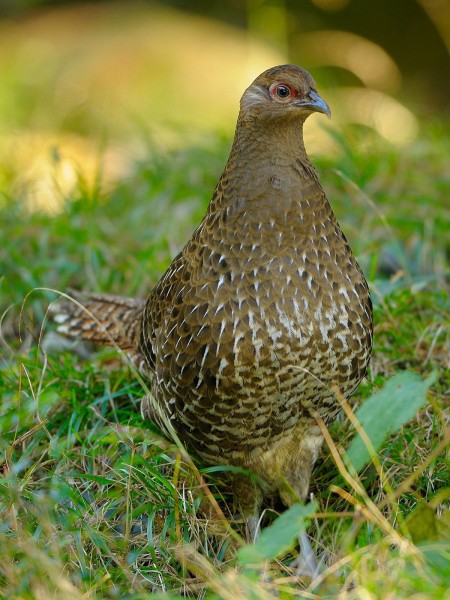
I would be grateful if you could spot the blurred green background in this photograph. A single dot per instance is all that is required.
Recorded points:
(85, 85)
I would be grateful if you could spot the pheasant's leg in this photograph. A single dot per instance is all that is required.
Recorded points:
(300, 455)
(249, 497)
(253, 528)
(297, 458)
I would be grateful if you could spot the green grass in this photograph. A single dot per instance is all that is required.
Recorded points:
(95, 504)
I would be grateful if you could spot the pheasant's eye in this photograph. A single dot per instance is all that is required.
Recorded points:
(283, 91)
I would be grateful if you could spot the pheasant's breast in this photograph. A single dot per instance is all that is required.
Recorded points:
(268, 327)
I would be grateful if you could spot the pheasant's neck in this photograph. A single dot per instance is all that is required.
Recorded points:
(268, 175)
(258, 146)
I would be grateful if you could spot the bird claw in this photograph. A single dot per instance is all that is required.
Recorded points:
(306, 564)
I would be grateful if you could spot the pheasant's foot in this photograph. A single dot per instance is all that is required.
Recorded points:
(306, 564)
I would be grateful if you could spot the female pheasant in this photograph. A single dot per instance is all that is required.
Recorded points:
(263, 314)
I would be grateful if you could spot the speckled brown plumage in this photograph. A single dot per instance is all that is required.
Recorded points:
(265, 310)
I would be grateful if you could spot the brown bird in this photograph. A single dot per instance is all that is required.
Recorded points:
(261, 316)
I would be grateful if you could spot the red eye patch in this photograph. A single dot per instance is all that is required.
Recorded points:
(283, 91)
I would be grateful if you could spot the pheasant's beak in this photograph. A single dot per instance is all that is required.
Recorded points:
(315, 102)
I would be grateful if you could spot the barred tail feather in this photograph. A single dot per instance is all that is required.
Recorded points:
(101, 319)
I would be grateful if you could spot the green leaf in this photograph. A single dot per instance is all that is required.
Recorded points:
(425, 525)
(386, 411)
(97, 478)
(279, 537)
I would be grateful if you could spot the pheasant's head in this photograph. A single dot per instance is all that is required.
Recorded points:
(286, 91)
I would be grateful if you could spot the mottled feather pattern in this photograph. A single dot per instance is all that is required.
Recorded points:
(265, 312)
(101, 319)
(267, 322)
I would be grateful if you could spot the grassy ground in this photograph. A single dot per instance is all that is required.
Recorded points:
(95, 504)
